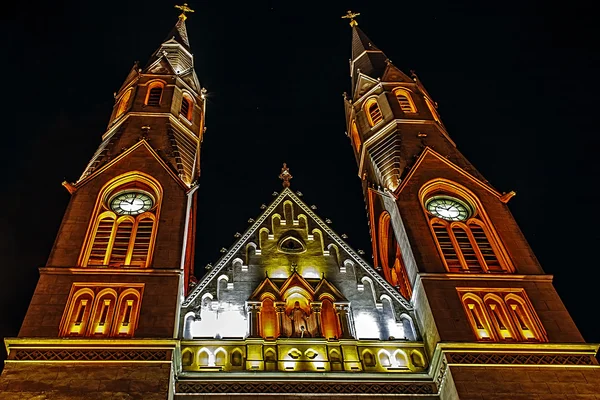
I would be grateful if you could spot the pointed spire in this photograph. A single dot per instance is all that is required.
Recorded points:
(368, 59)
(179, 31)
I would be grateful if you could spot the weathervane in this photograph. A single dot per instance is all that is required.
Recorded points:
(285, 176)
(184, 8)
(350, 15)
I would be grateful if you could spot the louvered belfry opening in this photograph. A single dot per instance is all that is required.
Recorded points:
(143, 239)
(405, 104)
(448, 251)
(101, 240)
(375, 113)
(154, 96)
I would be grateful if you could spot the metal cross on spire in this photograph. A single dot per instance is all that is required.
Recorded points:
(184, 8)
(285, 176)
(350, 15)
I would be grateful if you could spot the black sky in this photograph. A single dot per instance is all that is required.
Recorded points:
(516, 85)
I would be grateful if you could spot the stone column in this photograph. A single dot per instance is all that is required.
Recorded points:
(315, 306)
(253, 308)
(280, 308)
(342, 310)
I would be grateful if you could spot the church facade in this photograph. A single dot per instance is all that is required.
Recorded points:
(454, 304)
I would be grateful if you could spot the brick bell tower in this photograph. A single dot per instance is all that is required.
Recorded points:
(103, 318)
(492, 322)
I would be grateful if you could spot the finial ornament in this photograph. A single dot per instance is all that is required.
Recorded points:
(285, 176)
(184, 8)
(350, 15)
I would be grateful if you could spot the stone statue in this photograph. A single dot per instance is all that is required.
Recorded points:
(299, 320)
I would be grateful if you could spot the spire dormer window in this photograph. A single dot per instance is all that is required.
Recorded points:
(187, 107)
(123, 103)
(355, 136)
(154, 95)
(405, 100)
(373, 111)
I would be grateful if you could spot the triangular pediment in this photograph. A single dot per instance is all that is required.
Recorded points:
(256, 254)
(394, 74)
(159, 66)
(430, 155)
(364, 83)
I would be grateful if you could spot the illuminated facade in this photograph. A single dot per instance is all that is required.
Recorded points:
(453, 306)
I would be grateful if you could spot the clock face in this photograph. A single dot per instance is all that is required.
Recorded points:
(131, 203)
(449, 208)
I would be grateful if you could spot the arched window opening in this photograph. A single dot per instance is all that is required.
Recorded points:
(467, 250)
(384, 359)
(123, 103)
(384, 243)
(187, 358)
(143, 240)
(103, 312)
(121, 241)
(220, 358)
(80, 309)
(355, 136)
(268, 319)
(203, 358)
(400, 277)
(187, 107)
(405, 101)
(154, 95)
(236, 358)
(445, 244)
(374, 114)
(500, 319)
(126, 314)
(484, 246)
(524, 319)
(463, 233)
(101, 240)
(368, 359)
(329, 320)
(477, 317)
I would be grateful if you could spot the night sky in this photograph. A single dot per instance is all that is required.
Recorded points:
(516, 86)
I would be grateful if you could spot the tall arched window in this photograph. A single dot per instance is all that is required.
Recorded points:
(103, 312)
(123, 103)
(355, 136)
(329, 320)
(374, 115)
(268, 319)
(187, 107)
(499, 318)
(390, 257)
(524, 318)
(476, 314)
(124, 230)
(154, 94)
(464, 235)
(405, 100)
(126, 315)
